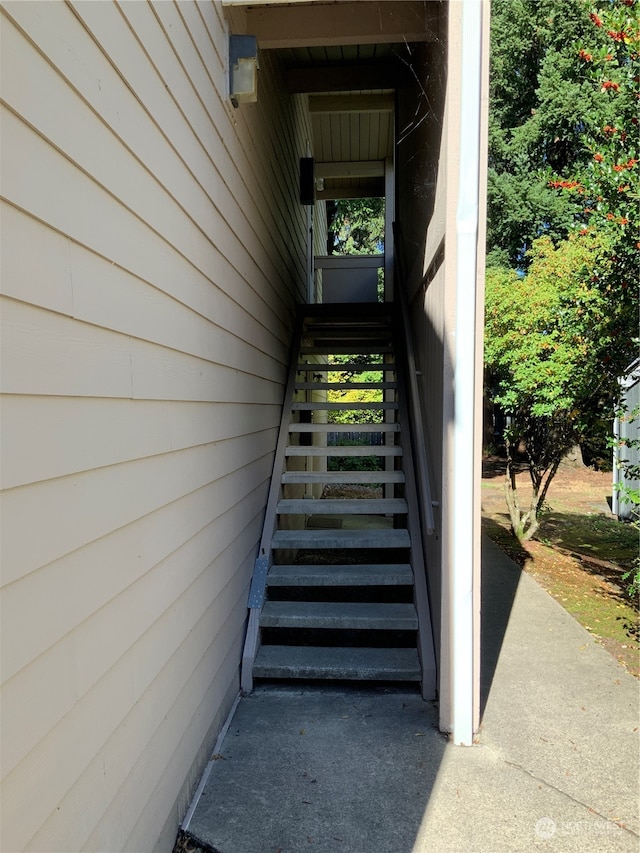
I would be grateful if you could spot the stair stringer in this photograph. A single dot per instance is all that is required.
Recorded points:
(426, 648)
(265, 554)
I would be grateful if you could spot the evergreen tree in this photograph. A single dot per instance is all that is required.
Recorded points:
(562, 319)
(606, 189)
(356, 226)
(540, 107)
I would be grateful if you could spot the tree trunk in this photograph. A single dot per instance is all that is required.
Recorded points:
(523, 524)
(573, 457)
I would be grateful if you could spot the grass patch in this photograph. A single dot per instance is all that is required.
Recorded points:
(579, 557)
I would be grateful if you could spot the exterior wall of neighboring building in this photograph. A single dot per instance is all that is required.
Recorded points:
(153, 249)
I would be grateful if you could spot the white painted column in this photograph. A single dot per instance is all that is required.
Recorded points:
(462, 601)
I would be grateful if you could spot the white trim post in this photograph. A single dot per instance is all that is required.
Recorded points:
(462, 599)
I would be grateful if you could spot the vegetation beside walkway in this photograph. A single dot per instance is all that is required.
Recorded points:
(580, 556)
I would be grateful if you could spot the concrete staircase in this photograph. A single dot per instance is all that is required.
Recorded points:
(339, 589)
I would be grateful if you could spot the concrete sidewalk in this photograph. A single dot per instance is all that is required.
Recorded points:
(366, 771)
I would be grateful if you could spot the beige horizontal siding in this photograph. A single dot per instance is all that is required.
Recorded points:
(96, 573)
(76, 204)
(71, 280)
(137, 429)
(153, 250)
(47, 353)
(114, 723)
(71, 511)
(137, 117)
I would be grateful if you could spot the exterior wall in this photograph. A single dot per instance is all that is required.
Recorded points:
(153, 251)
(427, 215)
(421, 175)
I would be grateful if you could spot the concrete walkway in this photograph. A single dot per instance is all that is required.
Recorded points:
(366, 771)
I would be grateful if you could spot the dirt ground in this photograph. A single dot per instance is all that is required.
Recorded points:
(580, 554)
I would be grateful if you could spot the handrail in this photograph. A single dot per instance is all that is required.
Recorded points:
(422, 466)
(426, 639)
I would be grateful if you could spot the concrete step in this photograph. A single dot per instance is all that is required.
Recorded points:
(345, 506)
(384, 538)
(335, 477)
(337, 663)
(344, 450)
(339, 615)
(375, 574)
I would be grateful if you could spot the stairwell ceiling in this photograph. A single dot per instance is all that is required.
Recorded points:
(348, 57)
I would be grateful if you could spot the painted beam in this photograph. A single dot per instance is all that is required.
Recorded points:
(328, 24)
(338, 104)
(368, 189)
(350, 169)
(345, 78)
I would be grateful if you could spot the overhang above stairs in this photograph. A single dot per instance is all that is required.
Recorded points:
(321, 24)
(349, 57)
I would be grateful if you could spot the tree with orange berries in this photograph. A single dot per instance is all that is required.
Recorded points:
(562, 322)
(607, 190)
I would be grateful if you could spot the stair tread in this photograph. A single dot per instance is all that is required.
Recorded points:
(346, 348)
(373, 574)
(338, 663)
(348, 428)
(339, 615)
(347, 336)
(345, 386)
(337, 407)
(333, 477)
(371, 603)
(341, 325)
(346, 367)
(333, 326)
(346, 312)
(383, 538)
(344, 450)
(345, 506)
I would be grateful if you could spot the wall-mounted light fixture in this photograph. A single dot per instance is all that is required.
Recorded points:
(307, 183)
(243, 69)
